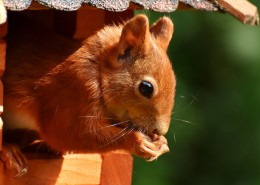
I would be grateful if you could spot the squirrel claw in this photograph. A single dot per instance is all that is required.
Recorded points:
(14, 160)
(21, 173)
(151, 159)
(147, 147)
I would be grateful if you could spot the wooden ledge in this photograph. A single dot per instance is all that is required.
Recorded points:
(75, 169)
(1, 130)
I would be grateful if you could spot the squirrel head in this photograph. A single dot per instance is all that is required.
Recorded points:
(138, 81)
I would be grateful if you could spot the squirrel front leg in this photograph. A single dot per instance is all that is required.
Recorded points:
(134, 142)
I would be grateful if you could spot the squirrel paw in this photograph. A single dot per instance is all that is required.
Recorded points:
(149, 148)
(14, 160)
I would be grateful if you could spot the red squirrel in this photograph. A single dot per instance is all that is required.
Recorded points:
(115, 91)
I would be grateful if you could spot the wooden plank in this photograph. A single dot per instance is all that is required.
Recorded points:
(118, 17)
(81, 169)
(1, 135)
(1, 97)
(117, 169)
(2, 57)
(88, 22)
(3, 32)
(84, 23)
(72, 169)
(91, 20)
(241, 9)
(64, 23)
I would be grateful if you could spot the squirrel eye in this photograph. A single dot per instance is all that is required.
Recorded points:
(146, 89)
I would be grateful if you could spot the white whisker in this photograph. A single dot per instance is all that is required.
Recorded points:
(116, 124)
(116, 137)
(131, 130)
(189, 103)
(97, 117)
(184, 121)
(109, 100)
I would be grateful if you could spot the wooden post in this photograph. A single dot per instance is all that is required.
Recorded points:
(3, 32)
(116, 169)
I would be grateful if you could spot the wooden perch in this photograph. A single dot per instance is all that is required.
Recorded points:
(241, 9)
(114, 168)
(3, 32)
(1, 131)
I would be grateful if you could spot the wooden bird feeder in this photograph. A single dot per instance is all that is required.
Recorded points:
(76, 21)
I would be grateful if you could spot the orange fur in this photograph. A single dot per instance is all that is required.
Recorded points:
(73, 92)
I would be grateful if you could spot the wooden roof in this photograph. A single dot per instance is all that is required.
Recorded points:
(241, 9)
(111, 5)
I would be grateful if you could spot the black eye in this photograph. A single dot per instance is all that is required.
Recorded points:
(146, 89)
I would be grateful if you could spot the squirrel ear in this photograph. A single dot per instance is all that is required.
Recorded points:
(162, 31)
(135, 32)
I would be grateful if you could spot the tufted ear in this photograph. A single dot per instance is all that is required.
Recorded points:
(162, 30)
(135, 32)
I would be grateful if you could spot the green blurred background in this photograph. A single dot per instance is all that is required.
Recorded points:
(215, 132)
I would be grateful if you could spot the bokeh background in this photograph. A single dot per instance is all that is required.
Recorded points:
(215, 132)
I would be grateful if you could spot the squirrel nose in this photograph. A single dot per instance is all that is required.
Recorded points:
(161, 128)
(160, 131)
(155, 131)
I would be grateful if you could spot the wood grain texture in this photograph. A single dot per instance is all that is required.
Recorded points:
(84, 23)
(117, 169)
(114, 168)
(1, 97)
(2, 57)
(3, 32)
(243, 10)
(88, 22)
(1, 131)
(71, 169)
